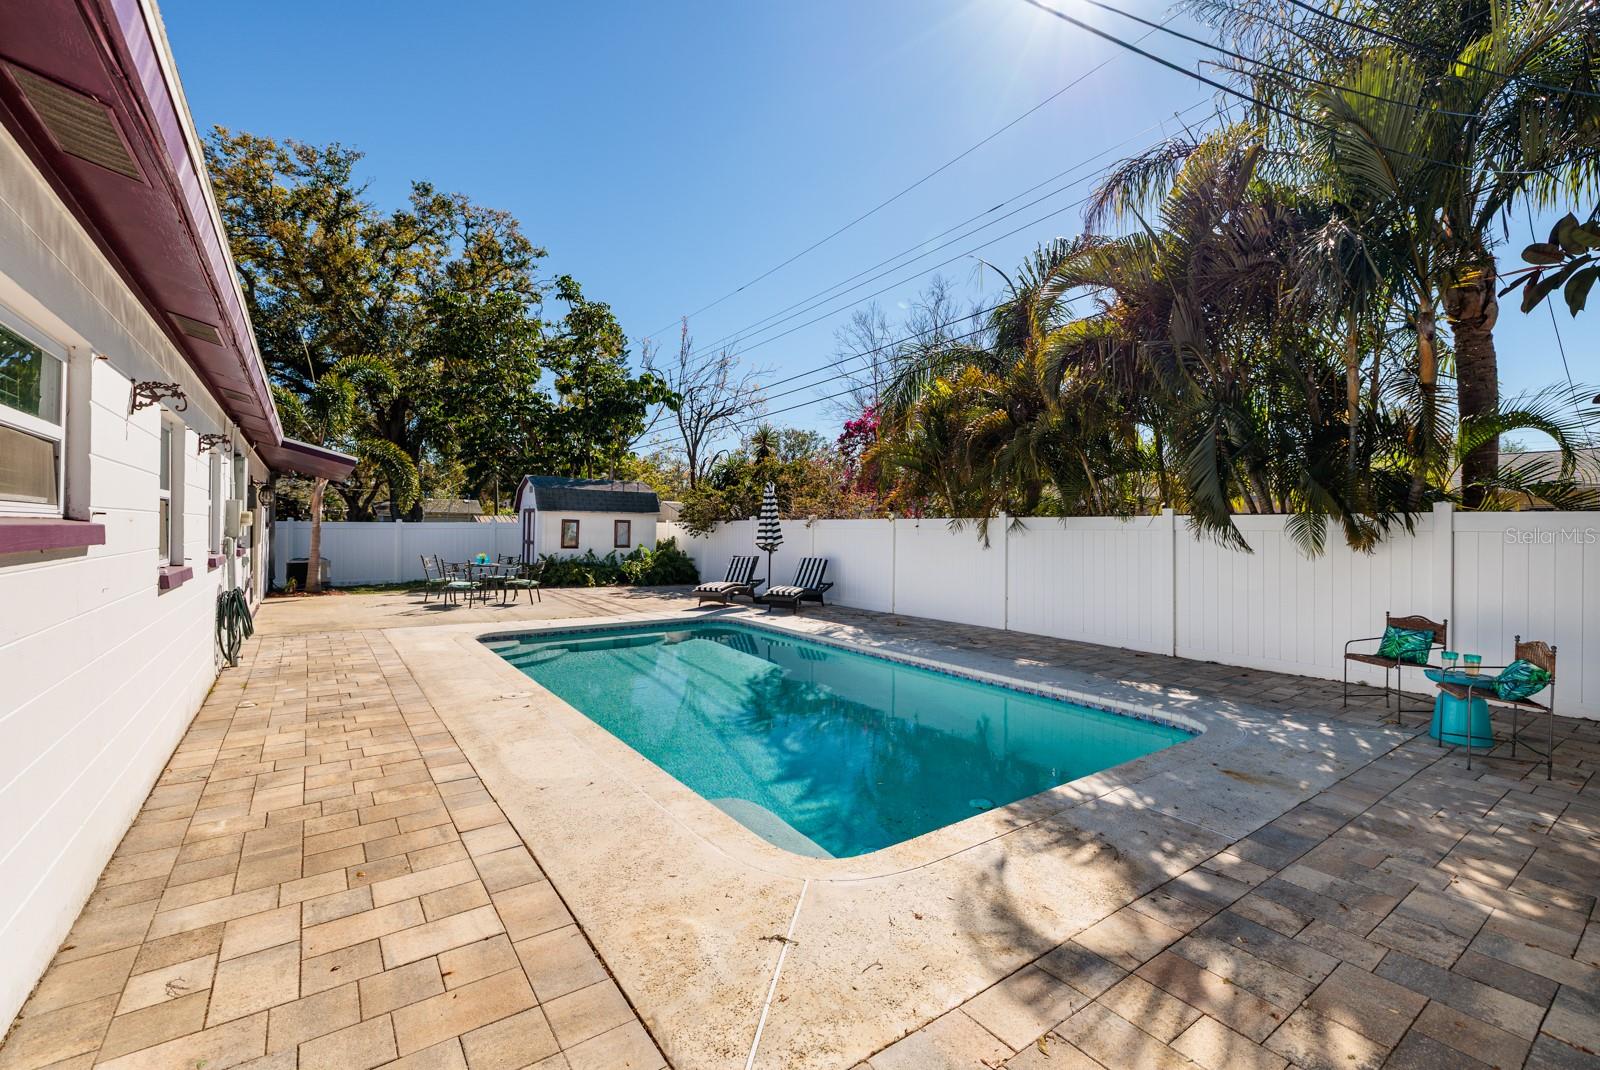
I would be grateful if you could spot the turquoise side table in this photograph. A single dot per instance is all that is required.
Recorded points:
(1453, 722)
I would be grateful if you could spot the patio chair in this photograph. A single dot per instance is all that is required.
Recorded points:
(741, 579)
(458, 581)
(526, 578)
(432, 578)
(1440, 631)
(1492, 690)
(808, 586)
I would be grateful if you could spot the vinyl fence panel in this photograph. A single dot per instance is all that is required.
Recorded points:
(1151, 584)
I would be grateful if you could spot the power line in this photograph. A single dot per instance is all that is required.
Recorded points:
(845, 374)
(884, 204)
(828, 293)
(918, 274)
(1436, 54)
(1280, 71)
(1286, 113)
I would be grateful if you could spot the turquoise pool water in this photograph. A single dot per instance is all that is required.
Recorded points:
(823, 751)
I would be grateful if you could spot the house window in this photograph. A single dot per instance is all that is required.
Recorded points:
(214, 493)
(569, 534)
(621, 533)
(169, 522)
(32, 420)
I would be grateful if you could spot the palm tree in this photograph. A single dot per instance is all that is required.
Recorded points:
(1445, 116)
(342, 409)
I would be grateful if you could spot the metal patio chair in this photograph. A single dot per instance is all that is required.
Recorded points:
(1441, 632)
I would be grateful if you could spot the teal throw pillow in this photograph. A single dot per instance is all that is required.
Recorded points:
(1409, 645)
(1519, 680)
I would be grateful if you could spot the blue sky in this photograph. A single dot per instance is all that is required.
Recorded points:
(666, 154)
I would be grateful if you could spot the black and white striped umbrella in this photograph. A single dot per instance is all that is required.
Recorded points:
(769, 533)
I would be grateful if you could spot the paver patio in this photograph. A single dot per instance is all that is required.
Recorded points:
(320, 880)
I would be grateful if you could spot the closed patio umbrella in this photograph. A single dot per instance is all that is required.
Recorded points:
(769, 533)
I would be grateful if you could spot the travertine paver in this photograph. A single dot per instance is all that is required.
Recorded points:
(320, 880)
(1413, 915)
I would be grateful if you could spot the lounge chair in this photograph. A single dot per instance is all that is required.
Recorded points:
(1540, 655)
(808, 586)
(1441, 632)
(740, 580)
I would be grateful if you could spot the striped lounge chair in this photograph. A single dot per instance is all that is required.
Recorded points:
(808, 586)
(741, 571)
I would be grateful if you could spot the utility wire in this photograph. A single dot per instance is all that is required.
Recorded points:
(1286, 113)
(1280, 71)
(885, 203)
(828, 292)
(902, 281)
(1436, 54)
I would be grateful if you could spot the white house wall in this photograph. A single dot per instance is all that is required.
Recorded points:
(100, 673)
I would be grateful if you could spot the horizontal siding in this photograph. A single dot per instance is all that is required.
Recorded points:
(100, 673)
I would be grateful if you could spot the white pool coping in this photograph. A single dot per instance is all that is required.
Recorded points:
(692, 911)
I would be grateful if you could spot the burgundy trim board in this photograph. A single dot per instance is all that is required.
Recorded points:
(170, 576)
(19, 534)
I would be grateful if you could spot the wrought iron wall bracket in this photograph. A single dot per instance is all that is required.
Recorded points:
(211, 442)
(149, 392)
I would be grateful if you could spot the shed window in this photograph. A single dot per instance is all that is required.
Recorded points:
(569, 534)
(621, 533)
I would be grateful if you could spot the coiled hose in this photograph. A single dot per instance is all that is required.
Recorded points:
(234, 624)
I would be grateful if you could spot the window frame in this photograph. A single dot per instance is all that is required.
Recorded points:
(214, 519)
(624, 529)
(173, 493)
(576, 529)
(37, 426)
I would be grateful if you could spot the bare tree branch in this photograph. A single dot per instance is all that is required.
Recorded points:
(714, 392)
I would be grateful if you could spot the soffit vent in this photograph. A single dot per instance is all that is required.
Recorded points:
(196, 329)
(79, 124)
(237, 395)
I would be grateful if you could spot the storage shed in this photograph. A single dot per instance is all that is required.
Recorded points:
(569, 517)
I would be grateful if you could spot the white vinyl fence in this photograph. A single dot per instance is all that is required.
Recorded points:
(1148, 584)
(388, 552)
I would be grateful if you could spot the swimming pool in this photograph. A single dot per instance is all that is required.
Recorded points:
(820, 750)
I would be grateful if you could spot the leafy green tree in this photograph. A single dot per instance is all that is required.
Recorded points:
(600, 407)
(445, 292)
(330, 414)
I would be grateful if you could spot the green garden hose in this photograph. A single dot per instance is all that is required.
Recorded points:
(234, 625)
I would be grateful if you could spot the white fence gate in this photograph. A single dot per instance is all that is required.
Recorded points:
(1148, 584)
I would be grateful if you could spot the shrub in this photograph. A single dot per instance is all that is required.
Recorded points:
(644, 567)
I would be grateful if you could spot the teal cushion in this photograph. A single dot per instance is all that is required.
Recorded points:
(1519, 680)
(1410, 645)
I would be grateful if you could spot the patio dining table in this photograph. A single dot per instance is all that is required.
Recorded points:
(485, 573)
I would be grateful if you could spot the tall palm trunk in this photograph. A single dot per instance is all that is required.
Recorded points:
(1428, 383)
(1352, 392)
(314, 554)
(1471, 308)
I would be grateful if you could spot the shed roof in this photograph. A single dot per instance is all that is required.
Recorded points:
(586, 495)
